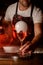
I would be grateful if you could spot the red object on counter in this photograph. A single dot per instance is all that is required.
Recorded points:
(5, 40)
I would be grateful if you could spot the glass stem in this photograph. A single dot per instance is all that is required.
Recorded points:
(21, 43)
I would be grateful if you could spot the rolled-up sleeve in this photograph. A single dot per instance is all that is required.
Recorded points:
(37, 15)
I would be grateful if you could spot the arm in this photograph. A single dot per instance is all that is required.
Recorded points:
(37, 18)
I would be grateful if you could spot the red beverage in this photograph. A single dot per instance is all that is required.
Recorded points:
(21, 36)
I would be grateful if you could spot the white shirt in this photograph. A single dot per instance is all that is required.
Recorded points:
(37, 13)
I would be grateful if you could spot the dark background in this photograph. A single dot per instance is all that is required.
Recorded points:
(5, 3)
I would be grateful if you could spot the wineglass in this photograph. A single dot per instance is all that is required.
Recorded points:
(21, 30)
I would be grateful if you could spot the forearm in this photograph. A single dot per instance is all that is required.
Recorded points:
(34, 43)
(37, 33)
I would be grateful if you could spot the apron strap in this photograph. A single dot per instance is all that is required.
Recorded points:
(16, 9)
(32, 10)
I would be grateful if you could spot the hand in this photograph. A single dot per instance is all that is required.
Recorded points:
(26, 50)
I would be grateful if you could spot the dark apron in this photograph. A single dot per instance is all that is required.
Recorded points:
(28, 21)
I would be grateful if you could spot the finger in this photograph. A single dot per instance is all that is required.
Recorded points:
(24, 49)
(24, 45)
(30, 52)
(21, 54)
